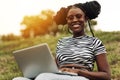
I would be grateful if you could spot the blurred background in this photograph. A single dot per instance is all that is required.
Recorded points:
(24, 23)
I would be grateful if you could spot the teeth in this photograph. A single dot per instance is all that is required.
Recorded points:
(76, 25)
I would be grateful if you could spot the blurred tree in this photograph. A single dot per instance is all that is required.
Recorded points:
(37, 24)
(10, 37)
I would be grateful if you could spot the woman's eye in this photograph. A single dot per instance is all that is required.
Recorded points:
(78, 16)
(71, 17)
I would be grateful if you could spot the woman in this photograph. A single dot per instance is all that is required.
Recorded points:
(77, 53)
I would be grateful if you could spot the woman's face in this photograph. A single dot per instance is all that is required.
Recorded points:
(76, 20)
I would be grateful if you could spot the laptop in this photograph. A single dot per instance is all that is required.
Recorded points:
(35, 60)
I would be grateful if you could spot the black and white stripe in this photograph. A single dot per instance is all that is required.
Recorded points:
(81, 50)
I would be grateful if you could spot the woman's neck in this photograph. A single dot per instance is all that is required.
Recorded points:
(78, 34)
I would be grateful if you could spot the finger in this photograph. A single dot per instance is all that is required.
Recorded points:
(63, 69)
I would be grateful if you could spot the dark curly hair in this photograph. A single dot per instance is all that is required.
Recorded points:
(91, 10)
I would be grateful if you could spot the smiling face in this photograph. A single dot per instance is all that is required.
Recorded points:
(76, 21)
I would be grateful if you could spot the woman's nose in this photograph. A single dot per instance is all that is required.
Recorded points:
(75, 18)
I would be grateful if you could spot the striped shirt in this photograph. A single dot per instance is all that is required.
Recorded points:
(80, 50)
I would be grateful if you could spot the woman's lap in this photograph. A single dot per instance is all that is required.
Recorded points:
(21, 78)
(53, 76)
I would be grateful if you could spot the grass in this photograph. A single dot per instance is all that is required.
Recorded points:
(9, 69)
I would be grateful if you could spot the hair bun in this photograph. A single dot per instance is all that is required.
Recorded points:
(92, 9)
(60, 17)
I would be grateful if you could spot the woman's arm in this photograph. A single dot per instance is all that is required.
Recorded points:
(103, 72)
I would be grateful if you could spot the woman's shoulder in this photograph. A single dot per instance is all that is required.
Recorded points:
(65, 38)
(92, 38)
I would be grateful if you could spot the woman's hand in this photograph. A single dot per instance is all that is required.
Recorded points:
(73, 68)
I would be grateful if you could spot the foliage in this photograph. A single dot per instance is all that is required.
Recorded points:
(9, 69)
(37, 24)
(9, 37)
